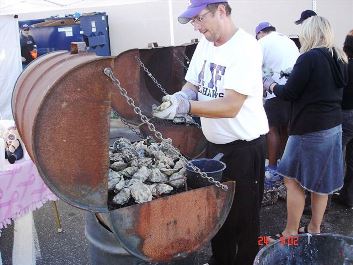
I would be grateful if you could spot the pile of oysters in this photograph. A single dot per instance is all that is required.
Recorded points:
(143, 170)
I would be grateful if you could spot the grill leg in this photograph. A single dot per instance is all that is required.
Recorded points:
(57, 217)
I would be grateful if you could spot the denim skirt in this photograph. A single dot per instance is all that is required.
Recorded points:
(315, 160)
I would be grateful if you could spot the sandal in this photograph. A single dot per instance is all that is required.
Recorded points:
(303, 230)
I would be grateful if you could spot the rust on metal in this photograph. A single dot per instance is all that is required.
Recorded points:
(162, 63)
(62, 107)
(173, 226)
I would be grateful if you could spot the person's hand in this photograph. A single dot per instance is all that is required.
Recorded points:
(285, 73)
(171, 106)
(267, 82)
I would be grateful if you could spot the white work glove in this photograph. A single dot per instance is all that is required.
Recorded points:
(171, 106)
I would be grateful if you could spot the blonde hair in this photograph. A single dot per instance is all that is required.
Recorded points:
(316, 32)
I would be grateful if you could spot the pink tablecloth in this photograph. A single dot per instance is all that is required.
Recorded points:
(21, 190)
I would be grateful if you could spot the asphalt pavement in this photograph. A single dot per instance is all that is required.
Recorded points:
(70, 247)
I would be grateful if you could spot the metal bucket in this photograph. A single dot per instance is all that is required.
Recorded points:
(61, 104)
(313, 249)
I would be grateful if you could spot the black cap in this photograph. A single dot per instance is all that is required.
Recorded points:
(304, 15)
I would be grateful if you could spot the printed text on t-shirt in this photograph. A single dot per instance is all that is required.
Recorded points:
(211, 88)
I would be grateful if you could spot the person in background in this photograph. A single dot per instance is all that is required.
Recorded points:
(345, 196)
(312, 159)
(279, 56)
(28, 46)
(224, 88)
(305, 15)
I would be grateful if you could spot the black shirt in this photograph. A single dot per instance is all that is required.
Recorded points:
(315, 88)
(27, 45)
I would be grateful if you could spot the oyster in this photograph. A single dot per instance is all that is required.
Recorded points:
(157, 176)
(122, 197)
(128, 172)
(130, 182)
(129, 154)
(159, 189)
(178, 179)
(142, 174)
(118, 165)
(140, 192)
(179, 165)
(113, 179)
(121, 144)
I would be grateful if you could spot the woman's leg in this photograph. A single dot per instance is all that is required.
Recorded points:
(318, 207)
(295, 206)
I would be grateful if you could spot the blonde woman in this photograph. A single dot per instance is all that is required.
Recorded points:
(312, 159)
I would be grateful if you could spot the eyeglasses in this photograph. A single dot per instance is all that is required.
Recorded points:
(199, 19)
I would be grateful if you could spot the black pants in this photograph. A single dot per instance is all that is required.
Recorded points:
(236, 241)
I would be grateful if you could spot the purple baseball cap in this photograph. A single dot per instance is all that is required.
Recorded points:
(262, 26)
(195, 7)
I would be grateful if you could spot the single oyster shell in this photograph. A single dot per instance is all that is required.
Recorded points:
(121, 144)
(157, 176)
(115, 157)
(130, 182)
(163, 106)
(129, 154)
(122, 197)
(179, 165)
(178, 179)
(140, 192)
(120, 185)
(128, 172)
(113, 179)
(167, 171)
(159, 189)
(142, 174)
(118, 165)
(145, 161)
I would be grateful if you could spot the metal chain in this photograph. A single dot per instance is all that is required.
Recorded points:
(138, 133)
(166, 142)
(142, 65)
(181, 61)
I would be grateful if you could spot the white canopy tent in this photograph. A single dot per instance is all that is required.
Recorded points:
(31, 6)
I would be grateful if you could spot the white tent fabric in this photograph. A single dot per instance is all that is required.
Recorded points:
(29, 6)
(10, 63)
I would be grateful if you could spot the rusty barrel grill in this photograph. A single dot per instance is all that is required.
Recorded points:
(61, 104)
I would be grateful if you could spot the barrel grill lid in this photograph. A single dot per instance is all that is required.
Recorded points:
(62, 107)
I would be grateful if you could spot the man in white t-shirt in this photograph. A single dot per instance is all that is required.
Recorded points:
(224, 88)
(279, 55)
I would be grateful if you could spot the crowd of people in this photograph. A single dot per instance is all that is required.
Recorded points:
(252, 92)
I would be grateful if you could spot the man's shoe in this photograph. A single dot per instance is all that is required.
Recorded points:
(272, 178)
(340, 199)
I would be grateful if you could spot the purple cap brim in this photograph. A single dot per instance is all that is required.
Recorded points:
(190, 13)
(195, 8)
